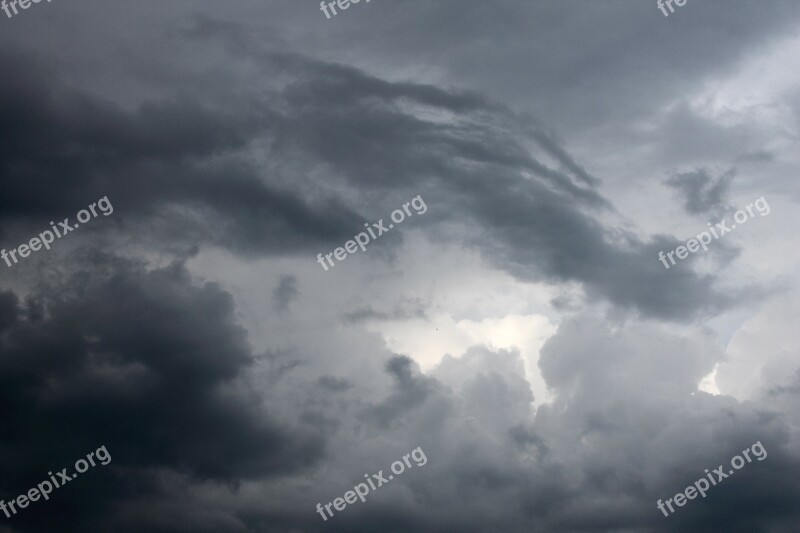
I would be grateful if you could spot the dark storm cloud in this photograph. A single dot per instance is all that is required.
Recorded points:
(275, 154)
(148, 364)
(701, 192)
(477, 166)
(187, 170)
(550, 144)
(371, 131)
(65, 148)
(142, 362)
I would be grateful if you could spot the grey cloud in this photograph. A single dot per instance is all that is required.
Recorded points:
(147, 363)
(758, 156)
(333, 384)
(478, 162)
(639, 377)
(627, 427)
(702, 193)
(403, 310)
(285, 292)
(411, 390)
(558, 58)
(176, 159)
(533, 221)
(263, 129)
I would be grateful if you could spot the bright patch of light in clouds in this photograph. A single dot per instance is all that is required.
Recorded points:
(428, 342)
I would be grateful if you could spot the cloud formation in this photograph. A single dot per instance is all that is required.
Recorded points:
(149, 364)
(523, 333)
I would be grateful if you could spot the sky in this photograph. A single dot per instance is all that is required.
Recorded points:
(518, 334)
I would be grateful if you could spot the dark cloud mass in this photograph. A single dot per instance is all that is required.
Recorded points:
(139, 362)
(521, 330)
(367, 133)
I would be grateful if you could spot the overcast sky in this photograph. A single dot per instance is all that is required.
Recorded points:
(521, 329)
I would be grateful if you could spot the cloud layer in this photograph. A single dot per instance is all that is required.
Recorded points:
(523, 333)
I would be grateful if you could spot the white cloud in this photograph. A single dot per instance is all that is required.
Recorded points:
(428, 342)
(763, 352)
